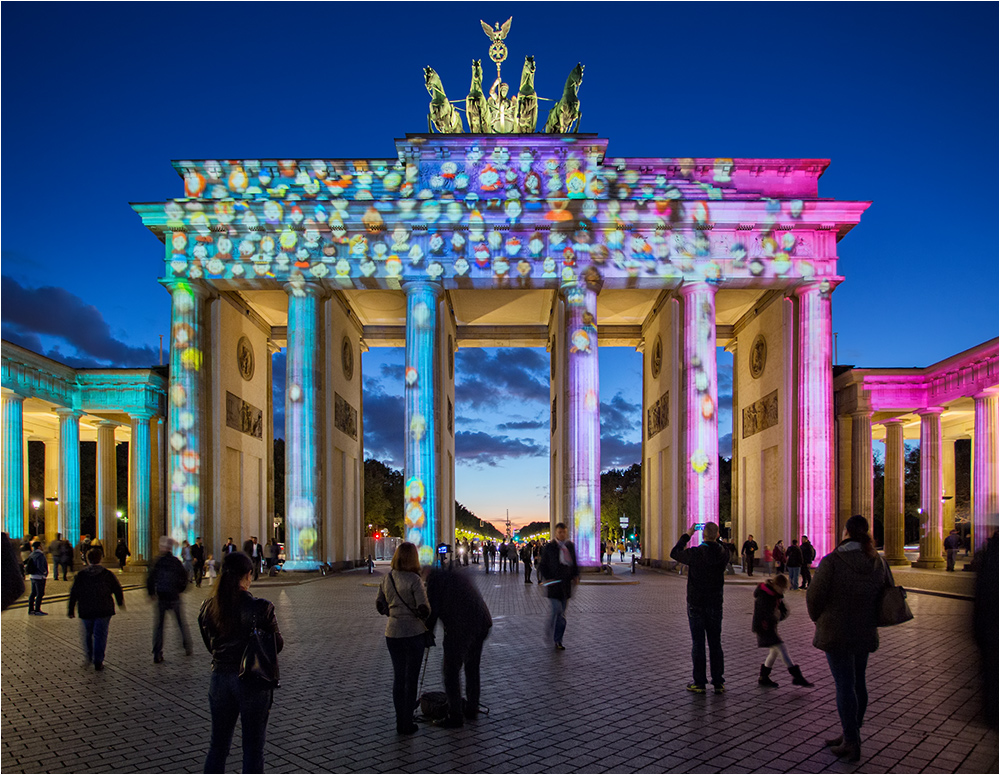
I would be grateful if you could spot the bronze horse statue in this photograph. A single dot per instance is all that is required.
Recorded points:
(443, 115)
(476, 110)
(566, 111)
(527, 99)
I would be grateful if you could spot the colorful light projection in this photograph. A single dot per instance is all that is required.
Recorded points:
(420, 457)
(302, 380)
(13, 464)
(140, 489)
(702, 400)
(985, 475)
(583, 419)
(816, 416)
(69, 477)
(185, 411)
(931, 489)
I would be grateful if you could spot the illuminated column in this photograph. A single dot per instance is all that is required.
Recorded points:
(894, 495)
(302, 393)
(185, 416)
(107, 486)
(701, 401)
(140, 460)
(985, 500)
(13, 465)
(947, 485)
(582, 458)
(931, 544)
(69, 474)
(420, 462)
(861, 464)
(51, 490)
(815, 453)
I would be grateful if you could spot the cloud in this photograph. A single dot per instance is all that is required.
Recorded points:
(524, 425)
(483, 449)
(394, 372)
(726, 445)
(617, 452)
(31, 313)
(619, 416)
(485, 379)
(384, 424)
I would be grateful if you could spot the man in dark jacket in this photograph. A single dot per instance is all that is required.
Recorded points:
(526, 559)
(93, 589)
(793, 561)
(808, 556)
(62, 556)
(198, 560)
(749, 550)
(706, 577)
(165, 583)
(37, 569)
(467, 622)
(558, 572)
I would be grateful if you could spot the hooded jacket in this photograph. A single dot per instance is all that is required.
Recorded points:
(768, 609)
(843, 599)
(93, 589)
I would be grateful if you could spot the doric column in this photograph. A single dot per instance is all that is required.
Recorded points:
(862, 475)
(947, 485)
(51, 490)
(931, 542)
(186, 445)
(107, 486)
(815, 388)
(894, 495)
(421, 461)
(140, 493)
(985, 500)
(69, 474)
(13, 465)
(582, 459)
(303, 371)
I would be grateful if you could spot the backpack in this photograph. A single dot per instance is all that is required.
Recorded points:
(31, 565)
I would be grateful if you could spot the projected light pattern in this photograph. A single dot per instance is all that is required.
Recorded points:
(420, 459)
(583, 480)
(702, 400)
(184, 451)
(302, 380)
(13, 464)
(69, 476)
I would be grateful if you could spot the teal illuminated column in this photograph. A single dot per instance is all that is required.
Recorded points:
(185, 415)
(107, 485)
(69, 474)
(582, 472)
(140, 474)
(13, 465)
(931, 490)
(421, 463)
(303, 372)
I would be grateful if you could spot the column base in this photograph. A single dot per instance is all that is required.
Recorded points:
(897, 561)
(929, 564)
(301, 565)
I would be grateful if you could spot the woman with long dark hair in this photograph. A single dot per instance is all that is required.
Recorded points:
(226, 620)
(403, 598)
(843, 600)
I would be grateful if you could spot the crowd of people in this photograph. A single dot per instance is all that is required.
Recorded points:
(795, 561)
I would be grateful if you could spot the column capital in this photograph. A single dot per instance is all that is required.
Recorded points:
(10, 395)
(304, 287)
(108, 424)
(928, 411)
(895, 423)
(414, 286)
(142, 414)
(988, 393)
(824, 287)
(63, 411)
(687, 287)
(195, 287)
(858, 414)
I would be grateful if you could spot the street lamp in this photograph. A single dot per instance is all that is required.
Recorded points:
(34, 505)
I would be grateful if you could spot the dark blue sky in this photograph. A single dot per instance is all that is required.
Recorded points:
(98, 98)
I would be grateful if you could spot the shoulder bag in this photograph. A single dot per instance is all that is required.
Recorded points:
(260, 659)
(892, 608)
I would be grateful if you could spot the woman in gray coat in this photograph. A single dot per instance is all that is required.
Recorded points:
(843, 600)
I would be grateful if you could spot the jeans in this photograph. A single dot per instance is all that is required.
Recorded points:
(848, 670)
(527, 572)
(806, 576)
(229, 698)
(706, 622)
(95, 638)
(37, 593)
(161, 611)
(557, 621)
(456, 655)
(793, 577)
(406, 655)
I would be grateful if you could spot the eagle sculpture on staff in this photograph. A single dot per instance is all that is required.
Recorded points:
(498, 49)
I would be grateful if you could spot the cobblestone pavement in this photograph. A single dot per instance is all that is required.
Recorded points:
(614, 701)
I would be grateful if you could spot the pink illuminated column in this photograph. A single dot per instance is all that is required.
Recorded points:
(862, 475)
(985, 500)
(892, 516)
(931, 543)
(582, 470)
(701, 400)
(815, 474)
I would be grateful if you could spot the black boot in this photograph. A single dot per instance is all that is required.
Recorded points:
(797, 678)
(847, 750)
(765, 678)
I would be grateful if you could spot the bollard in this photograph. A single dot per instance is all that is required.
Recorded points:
(633, 562)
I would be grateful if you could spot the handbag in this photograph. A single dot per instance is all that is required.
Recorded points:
(260, 658)
(892, 607)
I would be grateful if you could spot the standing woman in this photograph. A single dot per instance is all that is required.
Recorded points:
(226, 621)
(843, 600)
(403, 598)
(778, 553)
(122, 553)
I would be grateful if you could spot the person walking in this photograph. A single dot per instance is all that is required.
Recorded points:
(95, 590)
(273, 550)
(768, 559)
(187, 560)
(493, 557)
(512, 556)
(747, 552)
(502, 551)
(793, 561)
(198, 560)
(843, 599)
(621, 550)
(83, 547)
(165, 583)
(62, 557)
(808, 556)
(951, 546)
(779, 557)
(228, 548)
(769, 609)
(706, 576)
(466, 620)
(37, 569)
(403, 598)
(122, 553)
(226, 621)
(526, 561)
(558, 572)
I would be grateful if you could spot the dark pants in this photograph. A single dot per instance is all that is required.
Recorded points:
(256, 567)
(229, 698)
(456, 655)
(503, 562)
(95, 638)
(951, 553)
(793, 577)
(557, 620)
(199, 572)
(527, 572)
(748, 562)
(37, 593)
(706, 623)
(848, 670)
(806, 576)
(161, 611)
(406, 655)
(65, 569)
(513, 564)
